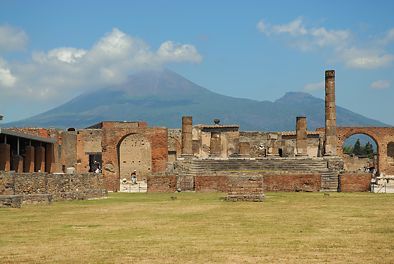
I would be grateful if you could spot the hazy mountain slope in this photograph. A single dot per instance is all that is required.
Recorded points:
(162, 97)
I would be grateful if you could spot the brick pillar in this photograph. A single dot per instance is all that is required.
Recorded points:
(215, 144)
(244, 148)
(330, 142)
(5, 157)
(39, 163)
(187, 140)
(49, 158)
(302, 138)
(18, 163)
(28, 161)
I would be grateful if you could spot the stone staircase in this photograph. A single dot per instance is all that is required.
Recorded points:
(329, 181)
(195, 167)
(198, 167)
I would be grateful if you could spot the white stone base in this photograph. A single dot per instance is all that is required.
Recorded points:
(139, 187)
(383, 184)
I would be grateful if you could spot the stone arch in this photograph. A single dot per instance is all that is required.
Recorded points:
(344, 133)
(390, 153)
(361, 163)
(134, 153)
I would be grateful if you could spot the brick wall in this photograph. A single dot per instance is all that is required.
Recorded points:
(245, 188)
(381, 135)
(162, 183)
(113, 136)
(271, 182)
(292, 182)
(211, 183)
(355, 182)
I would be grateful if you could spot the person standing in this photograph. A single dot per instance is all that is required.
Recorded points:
(134, 177)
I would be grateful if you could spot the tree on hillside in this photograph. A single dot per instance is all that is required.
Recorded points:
(357, 148)
(347, 149)
(368, 149)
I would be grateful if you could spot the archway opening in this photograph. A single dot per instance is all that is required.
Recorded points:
(390, 153)
(360, 153)
(134, 154)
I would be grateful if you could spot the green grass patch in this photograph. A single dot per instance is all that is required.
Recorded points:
(201, 228)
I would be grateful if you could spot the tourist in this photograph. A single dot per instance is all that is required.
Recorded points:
(134, 177)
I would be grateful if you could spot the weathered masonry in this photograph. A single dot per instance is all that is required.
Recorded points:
(202, 157)
(23, 152)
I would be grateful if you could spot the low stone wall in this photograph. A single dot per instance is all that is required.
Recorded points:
(162, 183)
(211, 183)
(285, 182)
(44, 188)
(14, 201)
(292, 182)
(245, 188)
(355, 182)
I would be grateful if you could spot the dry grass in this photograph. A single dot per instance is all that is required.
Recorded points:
(201, 228)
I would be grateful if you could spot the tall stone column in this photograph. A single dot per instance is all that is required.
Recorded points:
(5, 157)
(39, 163)
(330, 144)
(302, 138)
(215, 144)
(18, 163)
(187, 140)
(49, 158)
(28, 161)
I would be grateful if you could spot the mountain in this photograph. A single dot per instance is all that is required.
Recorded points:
(162, 97)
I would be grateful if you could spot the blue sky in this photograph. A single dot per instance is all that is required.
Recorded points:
(51, 51)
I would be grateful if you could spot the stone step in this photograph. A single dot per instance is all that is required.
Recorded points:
(329, 181)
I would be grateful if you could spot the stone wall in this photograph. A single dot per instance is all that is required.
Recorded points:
(59, 186)
(113, 135)
(292, 182)
(13, 201)
(355, 182)
(162, 183)
(356, 164)
(383, 136)
(211, 183)
(245, 188)
(68, 147)
(174, 144)
(284, 182)
(88, 142)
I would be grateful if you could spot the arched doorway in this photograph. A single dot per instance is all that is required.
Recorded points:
(390, 153)
(360, 153)
(134, 153)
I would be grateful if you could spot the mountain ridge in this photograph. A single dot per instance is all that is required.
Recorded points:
(162, 97)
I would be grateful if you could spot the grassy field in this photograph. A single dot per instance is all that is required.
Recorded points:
(201, 228)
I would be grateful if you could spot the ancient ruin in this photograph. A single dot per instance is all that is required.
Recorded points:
(202, 157)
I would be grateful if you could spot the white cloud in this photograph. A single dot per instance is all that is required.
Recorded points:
(307, 37)
(7, 80)
(310, 87)
(324, 37)
(65, 71)
(69, 55)
(170, 51)
(12, 39)
(380, 84)
(294, 28)
(262, 27)
(339, 43)
(365, 58)
(389, 37)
